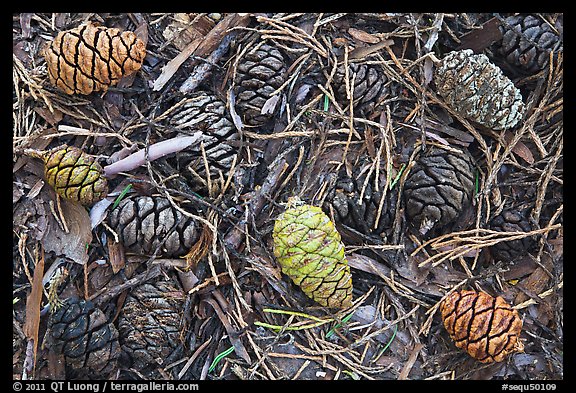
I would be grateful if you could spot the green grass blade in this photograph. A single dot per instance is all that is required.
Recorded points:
(344, 320)
(122, 195)
(219, 357)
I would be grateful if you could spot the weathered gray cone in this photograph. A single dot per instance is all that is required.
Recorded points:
(527, 41)
(370, 85)
(478, 90)
(438, 188)
(145, 223)
(203, 111)
(260, 72)
(149, 325)
(80, 331)
(512, 220)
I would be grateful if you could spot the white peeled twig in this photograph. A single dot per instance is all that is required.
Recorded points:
(155, 151)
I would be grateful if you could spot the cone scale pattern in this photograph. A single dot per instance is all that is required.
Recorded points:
(486, 327)
(369, 85)
(145, 223)
(259, 73)
(478, 90)
(75, 175)
(512, 220)
(81, 332)
(91, 58)
(437, 188)
(205, 112)
(527, 42)
(358, 213)
(310, 252)
(149, 324)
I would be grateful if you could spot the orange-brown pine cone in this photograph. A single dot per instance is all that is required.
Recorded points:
(91, 58)
(486, 327)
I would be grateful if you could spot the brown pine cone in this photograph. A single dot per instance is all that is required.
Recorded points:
(146, 223)
(527, 41)
(149, 325)
(487, 328)
(259, 73)
(370, 85)
(75, 175)
(512, 220)
(91, 58)
(478, 90)
(80, 331)
(205, 112)
(438, 188)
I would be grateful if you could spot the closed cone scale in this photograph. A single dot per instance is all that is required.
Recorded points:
(92, 58)
(75, 175)
(487, 327)
(259, 73)
(528, 40)
(310, 252)
(81, 332)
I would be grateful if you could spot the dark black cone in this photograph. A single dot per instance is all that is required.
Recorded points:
(512, 220)
(80, 331)
(438, 188)
(527, 42)
(260, 72)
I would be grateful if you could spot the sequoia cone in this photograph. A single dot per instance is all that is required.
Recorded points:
(149, 324)
(91, 58)
(80, 331)
(203, 111)
(486, 327)
(259, 73)
(75, 175)
(527, 42)
(438, 187)
(145, 223)
(310, 252)
(478, 90)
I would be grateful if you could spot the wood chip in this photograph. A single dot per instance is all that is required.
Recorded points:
(173, 65)
(520, 149)
(480, 39)
(363, 36)
(33, 305)
(410, 362)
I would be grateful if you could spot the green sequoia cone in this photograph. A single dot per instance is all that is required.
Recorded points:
(309, 249)
(75, 175)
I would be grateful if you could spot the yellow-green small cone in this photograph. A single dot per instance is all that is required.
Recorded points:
(75, 175)
(310, 252)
